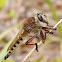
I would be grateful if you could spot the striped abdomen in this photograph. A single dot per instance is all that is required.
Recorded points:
(14, 46)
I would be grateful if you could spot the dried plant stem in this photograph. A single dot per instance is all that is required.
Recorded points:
(31, 52)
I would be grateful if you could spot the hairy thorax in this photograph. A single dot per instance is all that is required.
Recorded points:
(31, 26)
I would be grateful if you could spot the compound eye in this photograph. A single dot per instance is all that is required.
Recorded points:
(40, 17)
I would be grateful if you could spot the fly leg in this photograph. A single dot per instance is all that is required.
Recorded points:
(44, 28)
(47, 23)
(51, 27)
(43, 36)
(47, 29)
(27, 43)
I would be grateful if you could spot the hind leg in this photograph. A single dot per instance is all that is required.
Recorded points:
(27, 43)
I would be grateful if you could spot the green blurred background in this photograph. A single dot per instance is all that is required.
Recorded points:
(13, 12)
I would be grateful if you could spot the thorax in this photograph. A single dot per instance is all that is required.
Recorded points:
(31, 26)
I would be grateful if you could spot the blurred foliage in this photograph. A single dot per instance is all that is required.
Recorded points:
(2, 2)
(9, 61)
(56, 18)
(52, 9)
(57, 60)
(38, 60)
(3, 34)
(11, 14)
(55, 15)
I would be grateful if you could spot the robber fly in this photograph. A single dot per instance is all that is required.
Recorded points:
(31, 25)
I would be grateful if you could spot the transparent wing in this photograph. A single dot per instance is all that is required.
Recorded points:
(21, 31)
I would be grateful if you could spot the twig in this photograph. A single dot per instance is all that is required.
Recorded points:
(31, 52)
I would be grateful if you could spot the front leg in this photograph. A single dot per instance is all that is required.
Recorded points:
(47, 31)
(44, 28)
(27, 43)
(43, 36)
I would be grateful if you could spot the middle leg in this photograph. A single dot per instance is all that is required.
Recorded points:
(27, 43)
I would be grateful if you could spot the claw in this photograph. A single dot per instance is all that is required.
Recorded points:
(54, 28)
(36, 47)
